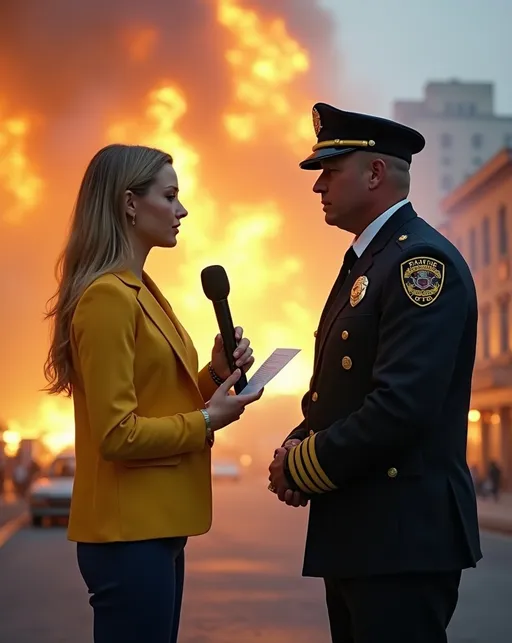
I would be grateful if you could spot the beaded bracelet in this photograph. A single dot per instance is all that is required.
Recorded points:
(216, 378)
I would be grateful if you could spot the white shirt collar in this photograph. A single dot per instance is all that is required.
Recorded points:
(364, 239)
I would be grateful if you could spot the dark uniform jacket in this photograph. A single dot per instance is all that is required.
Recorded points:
(383, 455)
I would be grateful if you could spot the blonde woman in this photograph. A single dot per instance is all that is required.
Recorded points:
(145, 417)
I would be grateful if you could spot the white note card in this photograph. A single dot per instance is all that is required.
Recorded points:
(269, 369)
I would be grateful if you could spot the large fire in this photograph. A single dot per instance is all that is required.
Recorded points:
(264, 61)
(234, 219)
(22, 186)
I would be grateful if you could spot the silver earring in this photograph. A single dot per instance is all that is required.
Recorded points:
(133, 220)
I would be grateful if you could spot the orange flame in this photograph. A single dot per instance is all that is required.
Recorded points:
(268, 296)
(53, 424)
(141, 43)
(16, 176)
(251, 226)
(265, 61)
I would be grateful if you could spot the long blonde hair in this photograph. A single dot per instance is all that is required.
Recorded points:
(98, 242)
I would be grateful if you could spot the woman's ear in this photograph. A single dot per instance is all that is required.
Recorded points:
(129, 204)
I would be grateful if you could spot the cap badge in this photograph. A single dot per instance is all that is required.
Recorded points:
(317, 123)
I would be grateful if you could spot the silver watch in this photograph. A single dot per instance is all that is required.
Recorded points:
(209, 430)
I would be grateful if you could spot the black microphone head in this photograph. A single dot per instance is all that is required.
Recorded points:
(215, 283)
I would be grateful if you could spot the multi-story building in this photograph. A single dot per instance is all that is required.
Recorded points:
(462, 132)
(479, 222)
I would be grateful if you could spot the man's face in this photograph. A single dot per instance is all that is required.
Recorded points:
(344, 187)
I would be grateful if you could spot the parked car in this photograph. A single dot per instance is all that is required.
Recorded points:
(50, 495)
(225, 470)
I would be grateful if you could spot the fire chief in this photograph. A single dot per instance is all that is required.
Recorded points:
(381, 453)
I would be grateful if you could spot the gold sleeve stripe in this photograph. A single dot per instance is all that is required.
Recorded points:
(294, 473)
(303, 474)
(314, 461)
(306, 447)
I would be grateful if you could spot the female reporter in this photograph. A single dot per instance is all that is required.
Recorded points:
(145, 416)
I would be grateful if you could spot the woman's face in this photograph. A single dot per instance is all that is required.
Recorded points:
(159, 212)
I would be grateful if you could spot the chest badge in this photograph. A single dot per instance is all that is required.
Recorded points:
(358, 290)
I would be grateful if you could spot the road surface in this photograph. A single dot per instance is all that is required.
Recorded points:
(243, 582)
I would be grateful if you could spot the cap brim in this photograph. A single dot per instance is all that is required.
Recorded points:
(313, 162)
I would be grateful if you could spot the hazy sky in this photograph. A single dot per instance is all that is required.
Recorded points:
(392, 47)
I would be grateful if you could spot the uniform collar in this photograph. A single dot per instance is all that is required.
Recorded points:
(361, 242)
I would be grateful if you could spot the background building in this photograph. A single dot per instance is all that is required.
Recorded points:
(479, 222)
(462, 133)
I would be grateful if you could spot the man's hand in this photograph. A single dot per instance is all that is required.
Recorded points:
(278, 482)
(289, 444)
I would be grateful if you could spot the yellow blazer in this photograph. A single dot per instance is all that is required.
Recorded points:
(143, 465)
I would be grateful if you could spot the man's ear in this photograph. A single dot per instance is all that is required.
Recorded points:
(378, 172)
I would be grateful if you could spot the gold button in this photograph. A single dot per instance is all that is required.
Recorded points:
(392, 472)
(402, 237)
(315, 333)
(311, 432)
(346, 362)
(344, 334)
(314, 397)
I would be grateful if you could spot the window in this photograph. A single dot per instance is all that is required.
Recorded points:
(446, 160)
(476, 141)
(472, 250)
(485, 330)
(446, 141)
(504, 310)
(508, 140)
(477, 161)
(502, 231)
(486, 241)
(446, 183)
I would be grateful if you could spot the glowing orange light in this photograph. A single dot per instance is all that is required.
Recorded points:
(474, 415)
(17, 177)
(265, 62)
(249, 228)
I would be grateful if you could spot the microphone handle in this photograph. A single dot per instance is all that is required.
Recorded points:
(227, 331)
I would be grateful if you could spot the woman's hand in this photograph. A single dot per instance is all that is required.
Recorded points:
(225, 408)
(243, 355)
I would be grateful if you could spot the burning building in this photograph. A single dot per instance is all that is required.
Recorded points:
(226, 87)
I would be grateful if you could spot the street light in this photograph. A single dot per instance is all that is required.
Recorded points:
(474, 415)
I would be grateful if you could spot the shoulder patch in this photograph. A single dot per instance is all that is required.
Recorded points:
(422, 279)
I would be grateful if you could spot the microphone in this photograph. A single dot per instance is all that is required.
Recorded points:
(216, 287)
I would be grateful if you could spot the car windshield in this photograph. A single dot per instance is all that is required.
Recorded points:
(62, 468)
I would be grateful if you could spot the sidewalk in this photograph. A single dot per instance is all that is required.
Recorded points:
(496, 516)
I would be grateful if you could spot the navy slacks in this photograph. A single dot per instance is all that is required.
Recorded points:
(136, 589)
(401, 608)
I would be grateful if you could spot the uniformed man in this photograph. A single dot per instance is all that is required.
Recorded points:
(381, 453)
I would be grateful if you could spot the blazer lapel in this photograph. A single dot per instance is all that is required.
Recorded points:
(361, 268)
(160, 312)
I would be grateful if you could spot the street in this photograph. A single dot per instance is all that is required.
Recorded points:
(243, 582)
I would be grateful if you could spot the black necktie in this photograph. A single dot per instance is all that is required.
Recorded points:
(348, 263)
